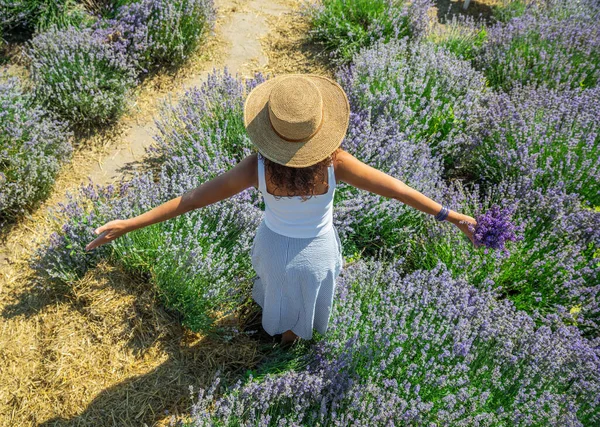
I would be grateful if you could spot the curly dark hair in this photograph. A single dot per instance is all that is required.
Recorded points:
(298, 181)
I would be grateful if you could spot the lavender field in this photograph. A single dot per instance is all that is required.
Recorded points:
(496, 116)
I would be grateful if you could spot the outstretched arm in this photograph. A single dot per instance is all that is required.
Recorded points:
(235, 180)
(360, 175)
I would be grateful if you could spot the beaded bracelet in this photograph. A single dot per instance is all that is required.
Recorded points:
(443, 214)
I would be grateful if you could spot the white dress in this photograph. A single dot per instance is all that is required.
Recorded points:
(295, 281)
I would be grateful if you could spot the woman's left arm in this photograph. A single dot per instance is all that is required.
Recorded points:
(240, 177)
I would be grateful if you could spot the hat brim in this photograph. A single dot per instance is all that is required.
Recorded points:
(336, 116)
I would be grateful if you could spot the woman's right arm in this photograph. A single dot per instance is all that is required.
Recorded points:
(238, 178)
(360, 175)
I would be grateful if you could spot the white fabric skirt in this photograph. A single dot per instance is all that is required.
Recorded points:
(295, 280)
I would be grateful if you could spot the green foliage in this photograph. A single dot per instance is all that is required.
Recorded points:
(346, 26)
(510, 9)
(463, 40)
(39, 15)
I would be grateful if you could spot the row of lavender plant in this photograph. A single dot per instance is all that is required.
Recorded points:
(422, 349)
(416, 108)
(86, 75)
(33, 146)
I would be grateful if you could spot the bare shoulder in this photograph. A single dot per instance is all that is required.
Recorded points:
(345, 165)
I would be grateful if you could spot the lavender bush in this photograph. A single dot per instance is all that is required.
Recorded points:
(206, 126)
(367, 222)
(547, 135)
(33, 146)
(40, 15)
(554, 268)
(462, 35)
(79, 76)
(346, 26)
(427, 91)
(200, 261)
(422, 349)
(543, 51)
(159, 32)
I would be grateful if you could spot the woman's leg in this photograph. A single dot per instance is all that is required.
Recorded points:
(288, 337)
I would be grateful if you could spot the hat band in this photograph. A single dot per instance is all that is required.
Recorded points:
(300, 139)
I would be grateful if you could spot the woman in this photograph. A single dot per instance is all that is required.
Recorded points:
(297, 122)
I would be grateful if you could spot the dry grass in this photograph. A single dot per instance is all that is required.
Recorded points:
(288, 47)
(103, 352)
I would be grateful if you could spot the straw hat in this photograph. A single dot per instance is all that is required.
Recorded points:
(297, 120)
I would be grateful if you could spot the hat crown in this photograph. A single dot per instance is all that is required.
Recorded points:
(295, 108)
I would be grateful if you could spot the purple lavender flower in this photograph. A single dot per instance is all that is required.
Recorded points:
(33, 147)
(543, 51)
(548, 136)
(494, 228)
(426, 90)
(79, 76)
(421, 348)
(158, 32)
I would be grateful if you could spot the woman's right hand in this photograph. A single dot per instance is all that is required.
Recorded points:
(108, 232)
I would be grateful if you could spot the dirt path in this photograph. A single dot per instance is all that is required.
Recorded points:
(242, 32)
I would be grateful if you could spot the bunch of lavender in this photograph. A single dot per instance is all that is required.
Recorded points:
(158, 32)
(543, 51)
(547, 135)
(79, 76)
(422, 349)
(554, 268)
(33, 146)
(344, 27)
(427, 91)
(494, 228)
(206, 126)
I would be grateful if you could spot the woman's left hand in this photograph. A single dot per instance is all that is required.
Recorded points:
(463, 224)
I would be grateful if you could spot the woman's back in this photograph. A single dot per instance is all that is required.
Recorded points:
(293, 216)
